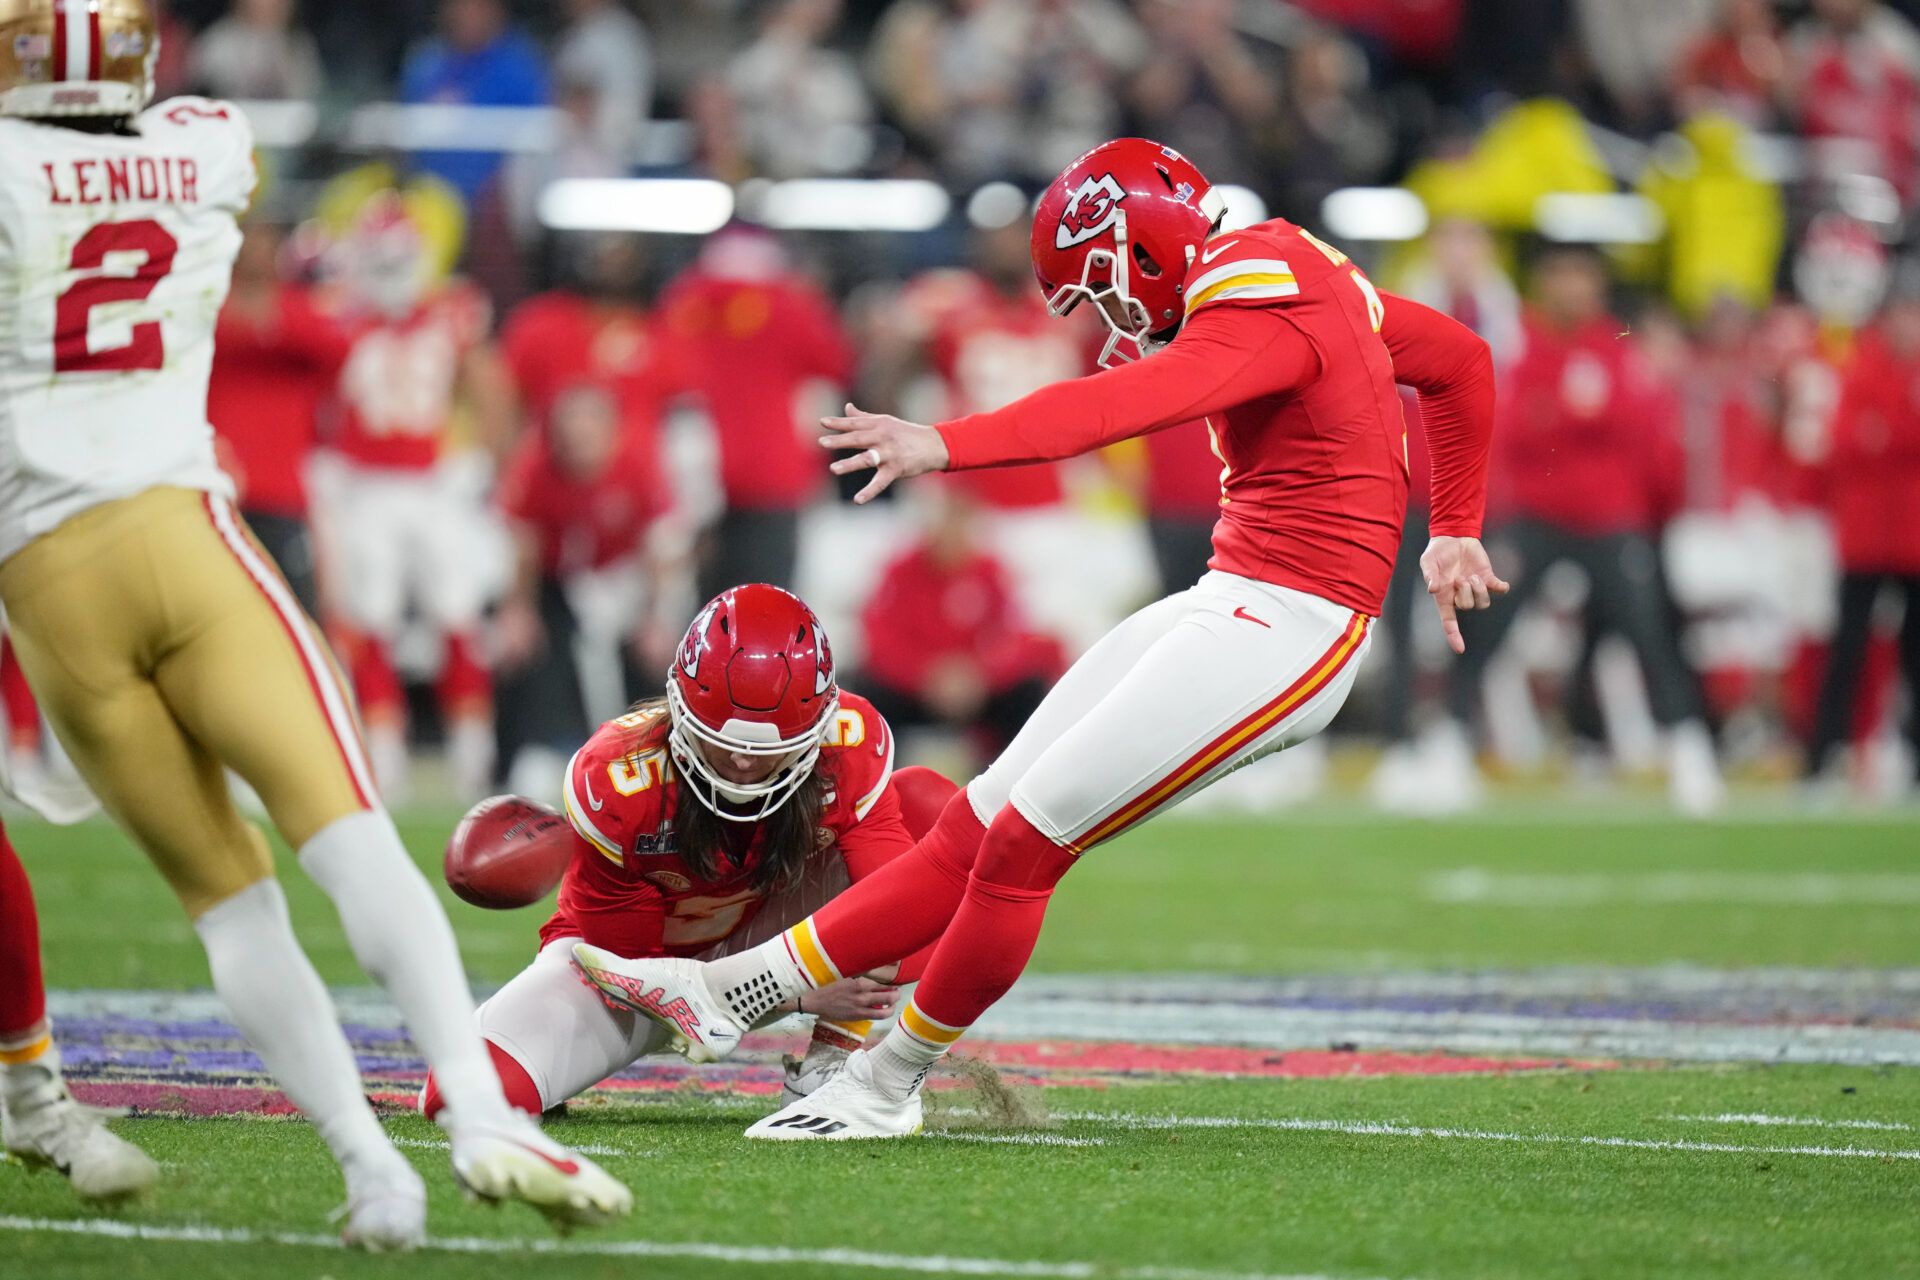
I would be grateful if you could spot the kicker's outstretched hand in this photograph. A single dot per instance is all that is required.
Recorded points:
(1459, 576)
(892, 448)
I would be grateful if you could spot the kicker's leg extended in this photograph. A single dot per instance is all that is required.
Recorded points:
(909, 903)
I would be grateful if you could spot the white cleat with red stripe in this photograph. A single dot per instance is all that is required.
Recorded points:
(671, 993)
(510, 1159)
(851, 1105)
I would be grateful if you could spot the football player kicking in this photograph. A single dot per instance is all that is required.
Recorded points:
(161, 642)
(1291, 355)
(794, 794)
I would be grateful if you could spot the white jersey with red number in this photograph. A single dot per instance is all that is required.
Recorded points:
(115, 255)
(398, 386)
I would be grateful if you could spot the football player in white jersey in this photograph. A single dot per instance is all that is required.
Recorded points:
(162, 643)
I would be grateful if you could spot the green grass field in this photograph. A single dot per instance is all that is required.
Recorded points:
(1632, 1168)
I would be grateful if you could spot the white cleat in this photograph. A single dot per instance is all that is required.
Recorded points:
(802, 1081)
(850, 1105)
(669, 992)
(510, 1159)
(59, 1132)
(386, 1210)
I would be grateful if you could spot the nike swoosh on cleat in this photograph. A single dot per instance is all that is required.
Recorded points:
(567, 1167)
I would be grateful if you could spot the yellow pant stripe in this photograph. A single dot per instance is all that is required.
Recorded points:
(925, 1029)
(14, 1057)
(806, 949)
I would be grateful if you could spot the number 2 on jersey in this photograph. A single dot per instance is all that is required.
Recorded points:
(73, 312)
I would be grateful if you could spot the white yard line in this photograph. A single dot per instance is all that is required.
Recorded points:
(1794, 1122)
(585, 1149)
(1017, 1139)
(752, 1255)
(1367, 1128)
(1741, 888)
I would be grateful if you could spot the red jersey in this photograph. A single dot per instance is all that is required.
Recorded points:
(751, 347)
(925, 612)
(1184, 474)
(1873, 472)
(989, 350)
(629, 890)
(1586, 443)
(558, 341)
(1290, 355)
(395, 400)
(578, 523)
(270, 377)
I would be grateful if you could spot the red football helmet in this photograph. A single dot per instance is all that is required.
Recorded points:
(754, 676)
(1126, 220)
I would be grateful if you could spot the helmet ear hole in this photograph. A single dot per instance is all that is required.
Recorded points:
(1144, 260)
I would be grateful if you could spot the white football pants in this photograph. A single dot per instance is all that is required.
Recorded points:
(1179, 695)
(557, 1027)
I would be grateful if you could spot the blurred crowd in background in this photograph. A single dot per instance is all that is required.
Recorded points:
(503, 443)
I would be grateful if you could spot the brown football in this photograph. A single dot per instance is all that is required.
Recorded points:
(507, 852)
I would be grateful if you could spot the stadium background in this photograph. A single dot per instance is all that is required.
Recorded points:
(1744, 172)
(1569, 1034)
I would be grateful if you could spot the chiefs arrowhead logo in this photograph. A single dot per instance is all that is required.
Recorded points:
(1091, 209)
(822, 662)
(695, 643)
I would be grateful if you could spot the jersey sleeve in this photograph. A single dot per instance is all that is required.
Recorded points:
(1249, 268)
(861, 750)
(1224, 356)
(1451, 368)
(219, 137)
(615, 785)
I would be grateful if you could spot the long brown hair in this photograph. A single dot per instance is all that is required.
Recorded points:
(792, 832)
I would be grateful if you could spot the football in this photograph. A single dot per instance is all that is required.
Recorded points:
(507, 851)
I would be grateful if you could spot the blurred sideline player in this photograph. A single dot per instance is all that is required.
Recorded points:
(39, 1120)
(708, 821)
(1291, 355)
(163, 646)
(979, 339)
(407, 529)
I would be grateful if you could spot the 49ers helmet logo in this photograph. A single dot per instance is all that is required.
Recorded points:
(1091, 209)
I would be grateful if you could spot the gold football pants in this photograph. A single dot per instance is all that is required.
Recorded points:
(163, 645)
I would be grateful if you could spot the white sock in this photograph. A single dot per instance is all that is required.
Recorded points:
(401, 937)
(29, 1081)
(280, 1005)
(901, 1062)
(756, 980)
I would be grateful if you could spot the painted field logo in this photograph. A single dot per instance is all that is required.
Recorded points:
(1091, 209)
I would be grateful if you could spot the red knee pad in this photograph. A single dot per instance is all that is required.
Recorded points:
(924, 795)
(522, 1095)
(375, 682)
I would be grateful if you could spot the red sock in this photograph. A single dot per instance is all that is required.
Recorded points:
(376, 683)
(23, 714)
(906, 904)
(514, 1080)
(465, 686)
(23, 992)
(992, 935)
